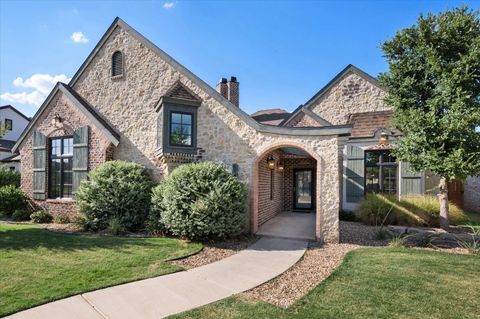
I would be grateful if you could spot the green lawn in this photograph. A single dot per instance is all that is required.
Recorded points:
(377, 283)
(37, 266)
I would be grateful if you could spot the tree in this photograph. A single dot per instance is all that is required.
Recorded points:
(433, 85)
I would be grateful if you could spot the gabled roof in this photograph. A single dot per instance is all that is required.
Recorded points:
(8, 106)
(180, 91)
(366, 124)
(270, 116)
(348, 69)
(81, 104)
(333, 130)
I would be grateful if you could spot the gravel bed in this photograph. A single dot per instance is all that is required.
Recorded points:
(316, 265)
(215, 251)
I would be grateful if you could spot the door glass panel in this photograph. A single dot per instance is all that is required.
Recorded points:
(372, 177)
(303, 189)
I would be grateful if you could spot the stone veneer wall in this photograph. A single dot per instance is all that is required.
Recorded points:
(352, 94)
(99, 149)
(129, 103)
(269, 206)
(472, 194)
(303, 120)
(291, 163)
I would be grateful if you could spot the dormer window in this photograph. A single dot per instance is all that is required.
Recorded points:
(117, 64)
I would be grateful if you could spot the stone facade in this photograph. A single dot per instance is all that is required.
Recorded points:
(303, 120)
(72, 119)
(128, 104)
(352, 94)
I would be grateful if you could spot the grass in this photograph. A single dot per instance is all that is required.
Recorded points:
(38, 266)
(376, 283)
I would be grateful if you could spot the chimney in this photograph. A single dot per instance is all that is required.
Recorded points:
(233, 91)
(222, 88)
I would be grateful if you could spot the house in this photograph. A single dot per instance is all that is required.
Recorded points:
(131, 101)
(14, 122)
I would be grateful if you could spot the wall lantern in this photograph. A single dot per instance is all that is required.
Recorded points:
(271, 162)
(383, 138)
(280, 167)
(57, 120)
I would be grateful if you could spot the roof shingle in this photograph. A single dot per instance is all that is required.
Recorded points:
(367, 123)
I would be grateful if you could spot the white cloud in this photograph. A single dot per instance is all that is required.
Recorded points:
(168, 5)
(78, 37)
(41, 84)
(33, 98)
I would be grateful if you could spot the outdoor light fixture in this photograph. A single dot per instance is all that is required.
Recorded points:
(57, 120)
(271, 162)
(383, 138)
(280, 167)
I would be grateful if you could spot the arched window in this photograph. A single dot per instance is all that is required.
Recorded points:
(117, 64)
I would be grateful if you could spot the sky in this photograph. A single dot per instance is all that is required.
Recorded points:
(282, 52)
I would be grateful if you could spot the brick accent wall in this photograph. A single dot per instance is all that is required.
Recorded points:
(269, 206)
(100, 150)
(292, 162)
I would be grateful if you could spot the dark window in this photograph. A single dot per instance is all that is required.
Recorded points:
(117, 63)
(181, 127)
(380, 172)
(60, 171)
(8, 124)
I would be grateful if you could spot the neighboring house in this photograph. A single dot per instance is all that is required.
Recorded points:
(131, 101)
(14, 122)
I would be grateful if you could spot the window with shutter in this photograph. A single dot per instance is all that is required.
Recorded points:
(117, 64)
(354, 174)
(80, 156)
(39, 165)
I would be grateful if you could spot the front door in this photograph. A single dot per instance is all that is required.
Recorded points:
(303, 189)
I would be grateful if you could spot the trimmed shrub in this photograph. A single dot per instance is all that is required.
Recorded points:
(200, 201)
(410, 211)
(9, 177)
(61, 219)
(21, 215)
(115, 190)
(11, 199)
(41, 217)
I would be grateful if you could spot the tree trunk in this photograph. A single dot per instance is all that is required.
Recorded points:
(443, 200)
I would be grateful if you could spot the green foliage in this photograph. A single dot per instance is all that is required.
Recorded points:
(115, 226)
(41, 217)
(9, 177)
(410, 211)
(61, 219)
(11, 199)
(434, 85)
(200, 201)
(21, 215)
(117, 189)
(396, 242)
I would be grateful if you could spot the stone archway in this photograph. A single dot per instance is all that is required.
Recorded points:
(257, 212)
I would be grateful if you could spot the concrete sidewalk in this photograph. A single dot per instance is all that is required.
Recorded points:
(170, 294)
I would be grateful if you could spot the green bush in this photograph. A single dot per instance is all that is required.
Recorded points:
(11, 199)
(61, 219)
(41, 217)
(200, 201)
(21, 215)
(409, 211)
(119, 190)
(9, 177)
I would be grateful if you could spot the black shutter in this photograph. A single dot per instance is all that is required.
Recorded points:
(80, 156)
(39, 165)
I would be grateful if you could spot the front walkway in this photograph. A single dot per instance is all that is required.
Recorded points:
(290, 225)
(170, 294)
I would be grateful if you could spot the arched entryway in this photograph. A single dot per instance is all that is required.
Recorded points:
(285, 193)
